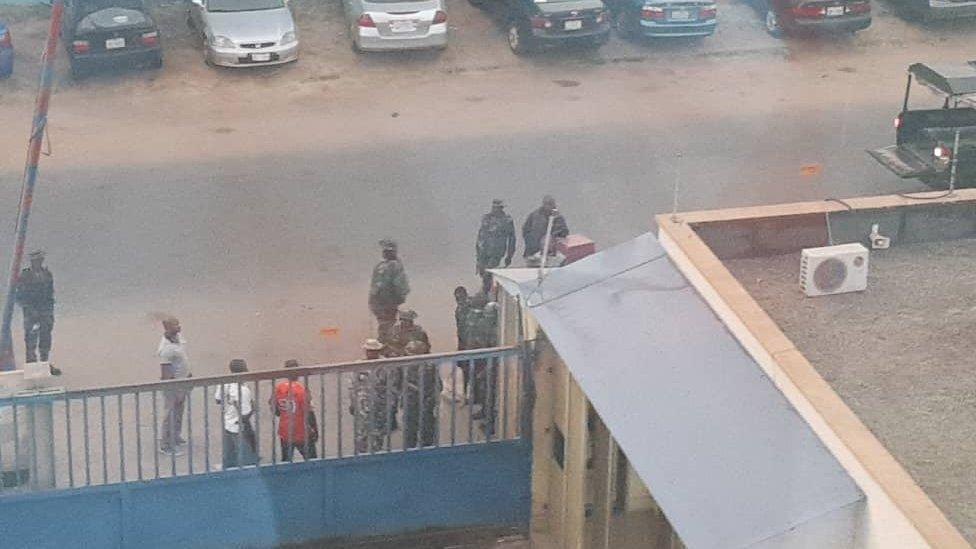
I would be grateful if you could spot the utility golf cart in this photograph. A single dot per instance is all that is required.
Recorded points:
(937, 146)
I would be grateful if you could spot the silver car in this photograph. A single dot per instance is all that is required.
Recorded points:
(377, 25)
(238, 33)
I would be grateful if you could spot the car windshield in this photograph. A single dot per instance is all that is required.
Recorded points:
(91, 6)
(244, 5)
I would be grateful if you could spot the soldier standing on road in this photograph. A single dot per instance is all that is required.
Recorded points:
(496, 241)
(534, 228)
(370, 394)
(482, 333)
(422, 388)
(461, 322)
(388, 289)
(35, 295)
(405, 331)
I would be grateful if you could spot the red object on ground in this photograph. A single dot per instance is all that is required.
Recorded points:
(575, 247)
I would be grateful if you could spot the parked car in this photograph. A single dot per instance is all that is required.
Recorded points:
(662, 18)
(786, 16)
(6, 52)
(536, 23)
(377, 25)
(934, 10)
(244, 33)
(101, 33)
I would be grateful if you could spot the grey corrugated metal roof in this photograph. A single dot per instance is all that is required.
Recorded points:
(723, 452)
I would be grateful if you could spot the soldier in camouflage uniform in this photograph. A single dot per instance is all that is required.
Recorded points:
(482, 333)
(35, 294)
(370, 395)
(422, 389)
(496, 241)
(388, 289)
(405, 331)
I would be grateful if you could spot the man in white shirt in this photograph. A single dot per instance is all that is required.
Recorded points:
(238, 406)
(173, 364)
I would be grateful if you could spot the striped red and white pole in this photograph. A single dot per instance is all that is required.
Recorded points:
(7, 360)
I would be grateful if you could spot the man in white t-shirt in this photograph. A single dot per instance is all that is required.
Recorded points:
(173, 364)
(239, 441)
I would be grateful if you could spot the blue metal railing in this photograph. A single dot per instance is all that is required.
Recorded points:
(112, 434)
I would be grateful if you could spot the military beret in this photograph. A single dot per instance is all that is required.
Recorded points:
(498, 202)
(408, 314)
(36, 254)
(388, 244)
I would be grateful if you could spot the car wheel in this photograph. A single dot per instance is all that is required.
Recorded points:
(517, 39)
(157, 63)
(189, 22)
(627, 23)
(773, 26)
(476, 2)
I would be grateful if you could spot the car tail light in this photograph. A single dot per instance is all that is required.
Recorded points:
(80, 46)
(540, 23)
(859, 7)
(366, 21)
(809, 12)
(898, 122)
(652, 12)
(707, 12)
(5, 39)
(150, 38)
(440, 17)
(942, 152)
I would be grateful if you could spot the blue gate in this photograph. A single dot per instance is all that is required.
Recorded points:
(82, 469)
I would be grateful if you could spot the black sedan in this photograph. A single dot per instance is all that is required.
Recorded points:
(534, 23)
(119, 33)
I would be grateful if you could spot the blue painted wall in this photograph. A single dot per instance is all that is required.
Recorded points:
(382, 494)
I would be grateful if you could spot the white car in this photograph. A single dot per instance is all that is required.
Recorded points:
(377, 25)
(239, 33)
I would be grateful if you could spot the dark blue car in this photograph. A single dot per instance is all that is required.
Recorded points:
(664, 18)
(6, 52)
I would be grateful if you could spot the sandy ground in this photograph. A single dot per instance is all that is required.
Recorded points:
(899, 354)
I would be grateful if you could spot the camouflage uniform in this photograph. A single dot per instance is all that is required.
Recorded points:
(482, 333)
(373, 394)
(388, 290)
(496, 241)
(35, 295)
(422, 391)
(401, 336)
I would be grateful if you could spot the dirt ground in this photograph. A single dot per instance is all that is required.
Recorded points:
(899, 354)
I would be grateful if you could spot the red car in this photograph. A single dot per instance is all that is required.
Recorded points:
(790, 16)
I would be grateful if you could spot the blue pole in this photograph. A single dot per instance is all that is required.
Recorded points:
(7, 360)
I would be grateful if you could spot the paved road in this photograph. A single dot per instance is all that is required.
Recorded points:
(252, 210)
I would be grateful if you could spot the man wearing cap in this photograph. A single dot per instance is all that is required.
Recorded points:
(35, 295)
(422, 388)
(369, 395)
(534, 228)
(388, 289)
(406, 330)
(496, 241)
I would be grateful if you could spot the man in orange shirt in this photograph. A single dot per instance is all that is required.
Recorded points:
(296, 424)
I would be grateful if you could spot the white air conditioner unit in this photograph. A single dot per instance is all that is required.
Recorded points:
(834, 270)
